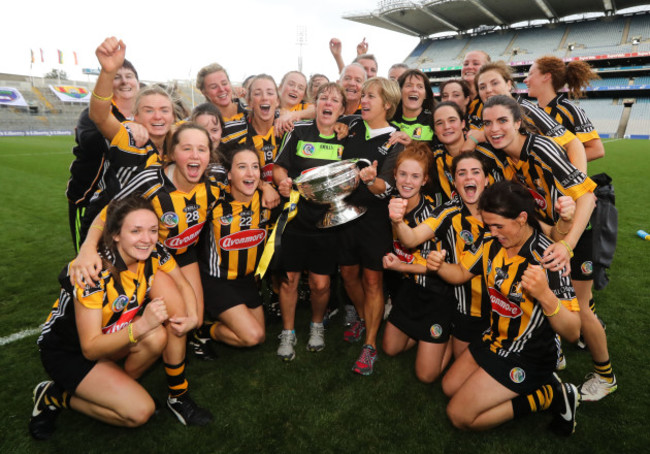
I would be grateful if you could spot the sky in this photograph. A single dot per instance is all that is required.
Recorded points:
(167, 40)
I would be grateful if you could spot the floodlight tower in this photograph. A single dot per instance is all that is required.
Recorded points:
(301, 40)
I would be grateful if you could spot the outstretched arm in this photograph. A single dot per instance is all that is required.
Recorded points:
(110, 54)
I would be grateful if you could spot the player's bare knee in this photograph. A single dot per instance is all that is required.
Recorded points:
(254, 336)
(139, 412)
(458, 418)
(156, 341)
(428, 375)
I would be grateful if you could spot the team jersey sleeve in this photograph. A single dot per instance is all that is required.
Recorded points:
(91, 295)
(563, 290)
(166, 261)
(472, 258)
(547, 125)
(287, 149)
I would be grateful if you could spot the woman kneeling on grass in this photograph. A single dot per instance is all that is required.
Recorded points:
(229, 250)
(424, 304)
(510, 372)
(91, 328)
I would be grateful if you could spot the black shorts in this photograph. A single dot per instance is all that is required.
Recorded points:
(582, 265)
(186, 258)
(510, 372)
(220, 295)
(66, 368)
(365, 241)
(467, 328)
(422, 314)
(315, 252)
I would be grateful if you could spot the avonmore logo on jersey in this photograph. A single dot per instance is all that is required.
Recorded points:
(185, 239)
(502, 306)
(267, 173)
(402, 253)
(124, 320)
(245, 239)
(540, 201)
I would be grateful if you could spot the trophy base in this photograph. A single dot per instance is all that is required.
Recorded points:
(340, 213)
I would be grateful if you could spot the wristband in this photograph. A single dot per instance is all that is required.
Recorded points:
(98, 227)
(473, 139)
(371, 182)
(102, 98)
(568, 248)
(555, 312)
(133, 340)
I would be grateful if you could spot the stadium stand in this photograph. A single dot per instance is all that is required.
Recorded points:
(614, 37)
(45, 113)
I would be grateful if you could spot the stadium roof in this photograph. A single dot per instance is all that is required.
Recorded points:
(425, 18)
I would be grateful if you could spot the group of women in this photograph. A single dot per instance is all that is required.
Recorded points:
(478, 214)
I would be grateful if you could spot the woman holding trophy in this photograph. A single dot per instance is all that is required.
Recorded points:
(305, 247)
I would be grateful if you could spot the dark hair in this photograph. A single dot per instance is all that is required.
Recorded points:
(575, 74)
(451, 104)
(116, 212)
(128, 65)
(468, 155)
(508, 199)
(235, 151)
(427, 104)
(515, 109)
(207, 108)
(463, 85)
(175, 139)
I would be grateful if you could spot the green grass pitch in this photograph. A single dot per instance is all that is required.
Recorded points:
(315, 403)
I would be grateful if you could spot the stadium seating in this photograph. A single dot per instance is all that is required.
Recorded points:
(605, 114)
(639, 123)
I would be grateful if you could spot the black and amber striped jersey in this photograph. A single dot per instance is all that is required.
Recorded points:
(459, 231)
(442, 180)
(233, 241)
(234, 128)
(181, 215)
(422, 211)
(304, 149)
(518, 327)
(562, 110)
(266, 145)
(475, 114)
(124, 159)
(419, 128)
(90, 153)
(544, 168)
(547, 126)
(119, 300)
(300, 107)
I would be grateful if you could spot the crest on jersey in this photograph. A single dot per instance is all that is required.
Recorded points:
(169, 219)
(467, 237)
(517, 375)
(119, 303)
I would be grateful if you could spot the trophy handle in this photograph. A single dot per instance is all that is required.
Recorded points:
(365, 161)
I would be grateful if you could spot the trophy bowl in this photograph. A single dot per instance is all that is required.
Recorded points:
(329, 185)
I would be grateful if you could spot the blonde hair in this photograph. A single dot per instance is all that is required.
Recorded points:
(388, 90)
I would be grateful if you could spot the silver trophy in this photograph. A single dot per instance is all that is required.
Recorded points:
(329, 185)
